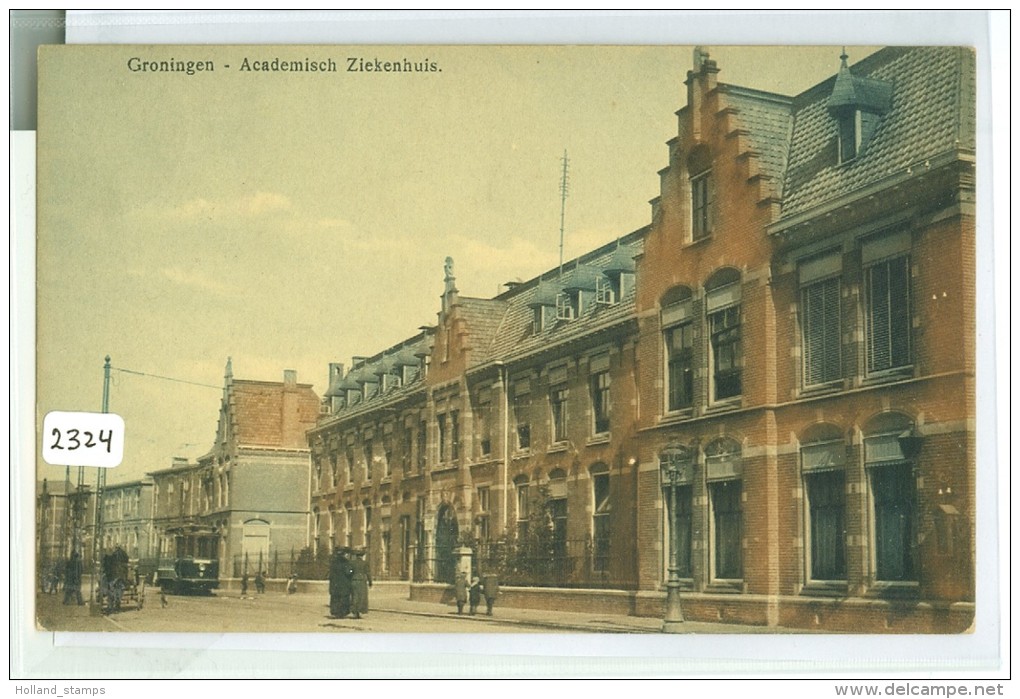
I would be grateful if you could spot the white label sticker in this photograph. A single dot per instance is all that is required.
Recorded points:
(83, 439)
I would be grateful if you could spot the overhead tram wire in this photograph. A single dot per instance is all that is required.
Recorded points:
(165, 378)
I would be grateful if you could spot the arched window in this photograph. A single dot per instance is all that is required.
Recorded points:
(888, 458)
(677, 321)
(722, 308)
(724, 472)
(823, 463)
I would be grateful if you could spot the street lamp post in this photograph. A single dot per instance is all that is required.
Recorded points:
(673, 622)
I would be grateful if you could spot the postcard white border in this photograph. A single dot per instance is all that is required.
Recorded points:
(36, 654)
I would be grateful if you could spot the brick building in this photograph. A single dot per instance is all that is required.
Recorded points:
(509, 415)
(793, 333)
(245, 502)
(806, 303)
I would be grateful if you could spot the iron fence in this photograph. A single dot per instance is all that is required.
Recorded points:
(558, 563)
(281, 564)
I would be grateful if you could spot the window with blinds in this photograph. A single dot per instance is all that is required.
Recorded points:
(820, 311)
(888, 318)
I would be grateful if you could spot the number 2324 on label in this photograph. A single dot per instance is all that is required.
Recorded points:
(83, 439)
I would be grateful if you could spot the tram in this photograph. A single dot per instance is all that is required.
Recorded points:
(188, 576)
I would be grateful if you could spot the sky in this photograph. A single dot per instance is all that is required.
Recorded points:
(291, 220)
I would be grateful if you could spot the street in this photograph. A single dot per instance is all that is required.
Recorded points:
(275, 612)
(391, 611)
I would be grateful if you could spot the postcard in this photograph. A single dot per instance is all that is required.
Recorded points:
(507, 339)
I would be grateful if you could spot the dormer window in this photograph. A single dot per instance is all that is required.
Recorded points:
(606, 292)
(578, 292)
(857, 105)
(544, 307)
(566, 306)
(544, 317)
(849, 135)
(619, 276)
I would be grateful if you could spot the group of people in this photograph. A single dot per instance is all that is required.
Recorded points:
(260, 582)
(349, 580)
(471, 593)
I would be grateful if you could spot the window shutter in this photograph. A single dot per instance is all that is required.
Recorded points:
(821, 323)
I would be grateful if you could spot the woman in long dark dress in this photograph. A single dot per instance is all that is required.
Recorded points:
(361, 580)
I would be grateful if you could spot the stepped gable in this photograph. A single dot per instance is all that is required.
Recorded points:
(765, 118)
(931, 89)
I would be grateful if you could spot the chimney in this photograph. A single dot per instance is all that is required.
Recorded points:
(289, 378)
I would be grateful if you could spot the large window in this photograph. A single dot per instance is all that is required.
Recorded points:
(369, 459)
(388, 458)
(423, 442)
(893, 497)
(893, 489)
(600, 521)
(600, 404)
(406, 448)
(725, 334)
(454, 435)
(823, 464)
(680, 366)
(522, 415)
(442, 438)
(556, 510)
(683, 528)
(888, 314)
(820, 319)
(722, 301)
(483, 513)
(825, 496)
(727, 520)
(483, 424)
(678, 335)
(523, 509)
(558, 406)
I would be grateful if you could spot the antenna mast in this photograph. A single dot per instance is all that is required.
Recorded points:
(564, 189)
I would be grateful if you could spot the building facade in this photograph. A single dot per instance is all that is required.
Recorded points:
(245, 502)
(127, 518)
(807, 348)
(64, 523)
(793, 337)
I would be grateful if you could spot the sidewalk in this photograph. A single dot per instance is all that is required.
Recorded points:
(393, 597)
